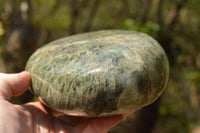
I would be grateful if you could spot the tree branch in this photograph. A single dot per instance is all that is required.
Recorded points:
(15, 17)
(176, 13)
(83, 4)
(93, 11)
(74, 14)
(145, 11)
(159, 16)
(126, 7)
(121, 14)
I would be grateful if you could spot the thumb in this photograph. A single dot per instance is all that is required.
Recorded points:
(13, 84)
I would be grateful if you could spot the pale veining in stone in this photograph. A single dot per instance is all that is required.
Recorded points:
(99, 73)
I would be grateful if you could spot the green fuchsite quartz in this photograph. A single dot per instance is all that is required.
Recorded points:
(99, 73)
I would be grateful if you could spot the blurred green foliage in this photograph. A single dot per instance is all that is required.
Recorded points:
(58, 18)
(1, 29)
(148, 27)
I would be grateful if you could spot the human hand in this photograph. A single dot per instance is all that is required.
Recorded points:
(36, 118)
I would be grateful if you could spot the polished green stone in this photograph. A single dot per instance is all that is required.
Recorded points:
(99, 73)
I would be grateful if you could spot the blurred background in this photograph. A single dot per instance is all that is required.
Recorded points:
(26, 25)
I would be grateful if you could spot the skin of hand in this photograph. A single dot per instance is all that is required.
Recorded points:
(35, 117)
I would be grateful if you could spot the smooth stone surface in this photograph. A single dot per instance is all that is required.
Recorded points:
(99, 73)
